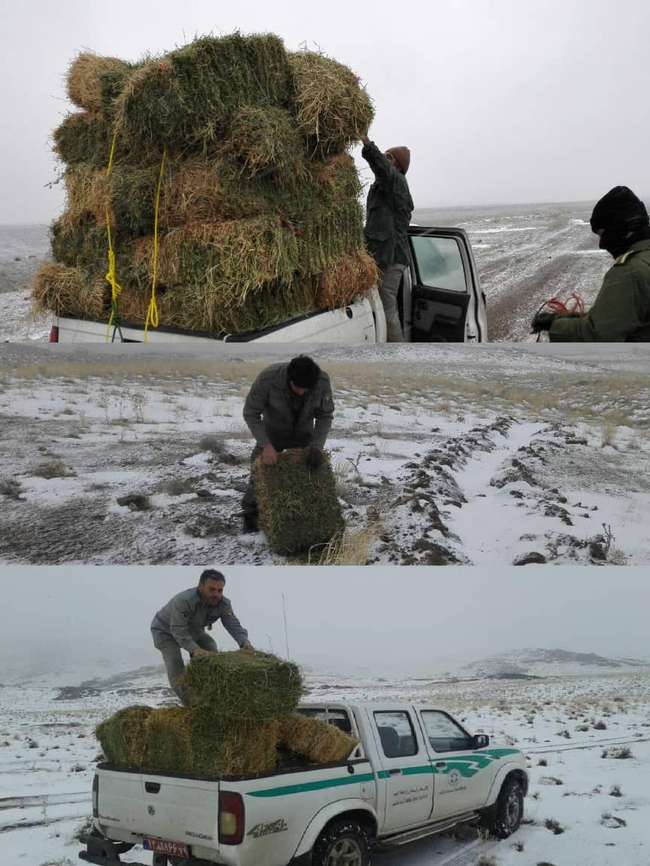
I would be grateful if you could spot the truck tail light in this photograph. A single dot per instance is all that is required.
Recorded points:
(231, 818)
(54, 334)
(96, 796)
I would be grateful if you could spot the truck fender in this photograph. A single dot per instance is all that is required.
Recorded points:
(500, 778)
(325, 815)
(381, 329)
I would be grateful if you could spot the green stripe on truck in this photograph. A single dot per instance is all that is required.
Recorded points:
(466, 765)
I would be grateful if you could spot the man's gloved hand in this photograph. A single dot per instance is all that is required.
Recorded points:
(269, 455)
(314, 458)
(542, 322)
(199, 652)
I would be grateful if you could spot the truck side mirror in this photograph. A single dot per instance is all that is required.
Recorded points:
(480, 741)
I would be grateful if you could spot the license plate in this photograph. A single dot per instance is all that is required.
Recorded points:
(171, 849)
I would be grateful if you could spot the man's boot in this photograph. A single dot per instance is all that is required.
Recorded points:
(251, 523)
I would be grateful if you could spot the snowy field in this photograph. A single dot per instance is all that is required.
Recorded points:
(482, 455)
(525, 254)
(586, 735)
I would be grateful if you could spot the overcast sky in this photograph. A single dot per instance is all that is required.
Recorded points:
(386, 620)
(500, 100)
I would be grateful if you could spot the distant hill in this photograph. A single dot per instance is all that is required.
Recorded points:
(549, 662)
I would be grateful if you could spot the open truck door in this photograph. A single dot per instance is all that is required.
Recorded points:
(441, 297)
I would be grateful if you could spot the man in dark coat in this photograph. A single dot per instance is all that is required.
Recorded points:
(288, 406)
(389, 210)
(621, 312)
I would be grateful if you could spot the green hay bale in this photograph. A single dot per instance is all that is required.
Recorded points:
(332, 108)
(317, 741)
(187, 98)
(298, 506)
(168, 741)
(66, 291)
(94, 82)
(243, 686)
(123, 737)
(84, 137)
(267, 139)
(242, 749)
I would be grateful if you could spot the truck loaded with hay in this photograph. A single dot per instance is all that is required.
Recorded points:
(210, 194)
(246, 776)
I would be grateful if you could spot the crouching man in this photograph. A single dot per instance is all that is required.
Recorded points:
(181, 624)
(288, 406)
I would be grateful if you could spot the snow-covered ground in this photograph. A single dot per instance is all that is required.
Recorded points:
(481, 455)
(588, 804)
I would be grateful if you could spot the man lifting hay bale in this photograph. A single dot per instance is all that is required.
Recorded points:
(243, 709)
(288, 406)
(181, 624)
(389, 210)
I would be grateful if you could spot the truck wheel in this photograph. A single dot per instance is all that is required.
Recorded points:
(342, 843)
(505, 816)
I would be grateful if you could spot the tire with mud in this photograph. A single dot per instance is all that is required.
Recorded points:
(342, 843)
(504, 818)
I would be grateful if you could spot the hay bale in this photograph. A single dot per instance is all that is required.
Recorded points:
(123, 737)
(349, 277)
(66, 291)
(243, 686)
(168, 741)
(317, 741)
(187, 99)
(94, 82)
(84, 137)
(267, 139)
(298, 506)
(240, 749)
(332, 108)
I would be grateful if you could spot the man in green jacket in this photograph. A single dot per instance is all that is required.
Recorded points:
(388, 216)
(621, 312)
(288, 406)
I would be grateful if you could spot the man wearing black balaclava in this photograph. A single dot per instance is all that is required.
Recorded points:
(621, 312)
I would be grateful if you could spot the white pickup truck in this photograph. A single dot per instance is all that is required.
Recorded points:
(440, 301)
(416, 772)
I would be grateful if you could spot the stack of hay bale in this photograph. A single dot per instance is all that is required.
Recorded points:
(241, 713)
(299, 509)
(259, 216)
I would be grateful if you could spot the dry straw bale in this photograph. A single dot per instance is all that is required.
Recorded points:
(94, 81)
(332, 107)
(298, 505)
(243, 686)
(317, 741)
(123, 737)
(348, 277)
(65, 291)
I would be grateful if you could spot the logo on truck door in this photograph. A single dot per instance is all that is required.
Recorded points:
(260, 830)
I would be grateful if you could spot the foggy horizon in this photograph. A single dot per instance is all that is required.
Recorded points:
(393, 621)
(501, 103)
